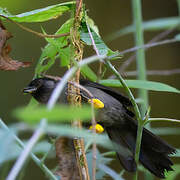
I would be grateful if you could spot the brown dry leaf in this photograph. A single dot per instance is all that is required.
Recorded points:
(67, 165)
(6, 62)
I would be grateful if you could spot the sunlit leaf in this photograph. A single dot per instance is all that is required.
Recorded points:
(149, 85)
(40, 15)
(57, 114)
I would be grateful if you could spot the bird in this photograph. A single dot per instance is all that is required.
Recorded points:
(119, 123)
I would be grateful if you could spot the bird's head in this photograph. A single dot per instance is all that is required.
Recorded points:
(41, 89)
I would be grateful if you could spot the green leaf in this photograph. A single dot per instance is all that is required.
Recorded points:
(60, 113)
(152, 25)
(87, 71)
(65, 56)
(41, 15)
(6, 144)
(40, 148)
(54, 47)
(148, 85)
(85, 37)
(69, 131)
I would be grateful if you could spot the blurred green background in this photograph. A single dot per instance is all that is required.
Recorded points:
(109, 16)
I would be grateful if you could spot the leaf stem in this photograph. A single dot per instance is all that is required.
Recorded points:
(34, 32)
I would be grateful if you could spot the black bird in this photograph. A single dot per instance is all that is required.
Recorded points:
(119, 123)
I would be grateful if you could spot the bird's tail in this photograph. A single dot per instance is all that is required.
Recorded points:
(154, 154)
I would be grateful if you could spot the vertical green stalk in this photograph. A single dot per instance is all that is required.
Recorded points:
(178, 3)
(141, 68)
(140, 54)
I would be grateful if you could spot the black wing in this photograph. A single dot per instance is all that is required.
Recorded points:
(123, 99)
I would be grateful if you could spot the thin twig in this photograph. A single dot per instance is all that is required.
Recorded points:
(155, 39)
(78, 7)
(34, 32)
(162, 119)
(167, 41)
(96, 50)
(94, 123)
(154, 72)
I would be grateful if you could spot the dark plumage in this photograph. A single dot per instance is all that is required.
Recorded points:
(119, 124)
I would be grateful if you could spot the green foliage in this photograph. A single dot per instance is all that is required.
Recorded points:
(40, 15)
(59, 113)
(55, 48)
(149, 85)
(14, 150)
(85, 37)
(6, 140)
(88, 72)
(61, 48)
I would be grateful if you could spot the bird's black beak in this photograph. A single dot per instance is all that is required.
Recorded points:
(29, 89)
